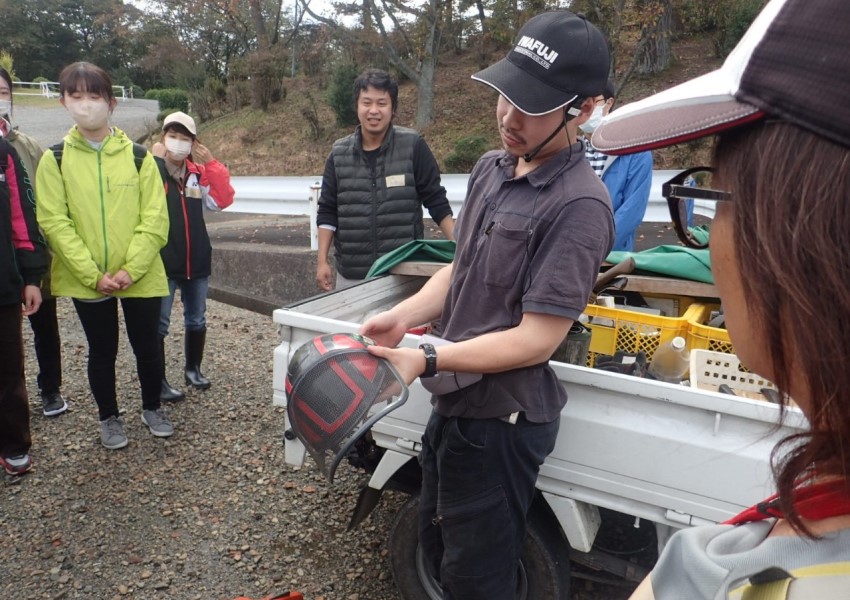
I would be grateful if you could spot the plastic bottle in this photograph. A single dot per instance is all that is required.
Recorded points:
(670, 361)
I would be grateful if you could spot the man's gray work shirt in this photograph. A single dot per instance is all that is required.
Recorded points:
(527, 244)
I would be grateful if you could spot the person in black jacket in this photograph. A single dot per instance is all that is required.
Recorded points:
(194, 181)
(375, 183)
(23, 262)
(44, 323)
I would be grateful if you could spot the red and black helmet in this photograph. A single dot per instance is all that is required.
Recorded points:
(332, 384)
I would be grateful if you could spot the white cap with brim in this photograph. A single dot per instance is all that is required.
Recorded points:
(700, 107)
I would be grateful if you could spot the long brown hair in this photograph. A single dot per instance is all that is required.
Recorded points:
(791, 196)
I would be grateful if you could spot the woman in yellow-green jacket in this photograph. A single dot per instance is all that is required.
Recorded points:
(103, 211)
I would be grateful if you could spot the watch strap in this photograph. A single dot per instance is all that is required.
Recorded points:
(430, 360)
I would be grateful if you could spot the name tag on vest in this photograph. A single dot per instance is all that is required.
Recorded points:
(395, 181)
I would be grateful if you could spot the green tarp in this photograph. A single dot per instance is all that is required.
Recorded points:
(674, 261)
(417, 250)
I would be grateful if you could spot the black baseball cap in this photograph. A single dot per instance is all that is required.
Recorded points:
(557, 57)
(792, 64)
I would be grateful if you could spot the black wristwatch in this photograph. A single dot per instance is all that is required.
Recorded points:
(430, 360)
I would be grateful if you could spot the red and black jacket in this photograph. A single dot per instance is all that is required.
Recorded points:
(188, 253)
(23, 256)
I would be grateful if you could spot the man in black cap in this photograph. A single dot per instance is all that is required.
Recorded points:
(535, 226)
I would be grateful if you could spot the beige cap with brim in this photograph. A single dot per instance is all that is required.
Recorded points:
(182, 119)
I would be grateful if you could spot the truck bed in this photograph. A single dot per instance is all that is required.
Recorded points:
(668, 453)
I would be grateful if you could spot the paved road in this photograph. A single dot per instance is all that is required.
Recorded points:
(49, 124)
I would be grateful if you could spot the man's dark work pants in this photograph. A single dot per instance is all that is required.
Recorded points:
(478, 478)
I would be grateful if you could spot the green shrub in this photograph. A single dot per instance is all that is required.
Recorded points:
(152, 94)
(468, 150)
(7, 62)
(238, 93)
(40, 80)
(697, 16)
(340, 96)
(207, 98)
(173, 98)
(734, 21)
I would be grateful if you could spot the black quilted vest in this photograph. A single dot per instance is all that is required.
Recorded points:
(377, 209)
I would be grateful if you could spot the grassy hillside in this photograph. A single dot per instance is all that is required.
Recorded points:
(282, 142)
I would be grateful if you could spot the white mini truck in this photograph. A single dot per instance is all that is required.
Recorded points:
(652, 455)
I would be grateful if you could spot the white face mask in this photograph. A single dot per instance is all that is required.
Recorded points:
(178, 149)
(593, 122)
(5, 108)
(88, 114)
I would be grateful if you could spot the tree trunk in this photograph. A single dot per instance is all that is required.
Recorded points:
(483, 50)
(259, 23)
(366, 16)
(657, 53)
(425, 95)
(425, 83)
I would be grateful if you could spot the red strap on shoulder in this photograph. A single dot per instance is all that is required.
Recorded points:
(815, 502)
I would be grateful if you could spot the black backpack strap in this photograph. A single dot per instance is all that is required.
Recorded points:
(57, 153)
(139, 153)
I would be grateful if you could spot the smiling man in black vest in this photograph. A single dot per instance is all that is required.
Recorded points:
(375, 184)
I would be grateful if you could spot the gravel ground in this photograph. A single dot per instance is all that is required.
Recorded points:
(211, 513)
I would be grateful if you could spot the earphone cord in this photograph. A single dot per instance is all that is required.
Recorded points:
(528, 157)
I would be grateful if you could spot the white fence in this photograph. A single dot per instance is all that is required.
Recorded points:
(50, 89)
(291, 196)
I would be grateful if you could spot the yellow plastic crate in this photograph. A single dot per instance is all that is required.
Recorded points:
(703, 337)
(633, 332)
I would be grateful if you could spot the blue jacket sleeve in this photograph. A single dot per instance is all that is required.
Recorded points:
(630, 204)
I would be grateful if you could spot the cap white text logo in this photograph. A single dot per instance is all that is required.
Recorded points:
(536, 50)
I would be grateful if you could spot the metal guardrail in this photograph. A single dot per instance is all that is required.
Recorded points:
(291, 196)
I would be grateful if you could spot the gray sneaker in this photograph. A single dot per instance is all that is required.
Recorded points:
(54, 403)
(158, 422)
(112, 434)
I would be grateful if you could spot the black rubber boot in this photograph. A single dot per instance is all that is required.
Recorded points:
(195, 341)
(167, 393)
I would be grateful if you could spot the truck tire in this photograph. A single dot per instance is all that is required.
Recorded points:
(544, 566)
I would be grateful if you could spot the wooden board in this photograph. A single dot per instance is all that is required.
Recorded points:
(636, 283)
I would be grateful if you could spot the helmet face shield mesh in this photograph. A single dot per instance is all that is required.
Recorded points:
(330, 400)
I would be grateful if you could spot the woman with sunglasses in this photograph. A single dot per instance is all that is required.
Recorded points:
(779, 244)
